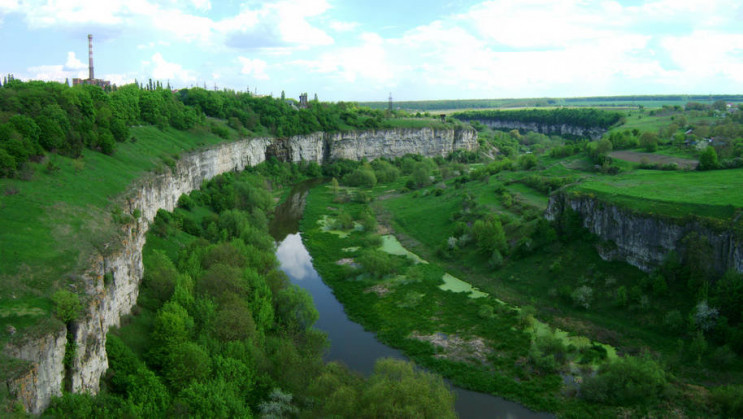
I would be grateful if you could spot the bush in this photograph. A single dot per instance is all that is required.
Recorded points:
(728, 400)
(67, 305)
(582, 296)
(379, 264)
(625, 381)
(363, 176)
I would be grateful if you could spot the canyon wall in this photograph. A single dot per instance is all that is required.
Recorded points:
(114, 275)
(644, 240)
(564, 130)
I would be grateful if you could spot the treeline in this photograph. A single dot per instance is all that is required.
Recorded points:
(267, 115)
(600, 101)
(221, 332)
(39, 117)
(584, 118)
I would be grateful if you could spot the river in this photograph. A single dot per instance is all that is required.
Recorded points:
(349, 342)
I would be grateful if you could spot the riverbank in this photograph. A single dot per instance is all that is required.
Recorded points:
(350, 343)
(477, 343)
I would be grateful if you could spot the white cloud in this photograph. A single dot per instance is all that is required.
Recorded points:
(201, 5)
(184, 26)
(253, 67)
(164, 70)
(73, 64)
(283, 24)
(339, 26)
(706, 54)
(119, 79)
(367, 62)
(7, 6)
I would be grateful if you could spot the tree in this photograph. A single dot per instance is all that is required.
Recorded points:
(397, 389)
(187, 362)
(649, 141)
(489, 235)
(708, 159)
(295, 309)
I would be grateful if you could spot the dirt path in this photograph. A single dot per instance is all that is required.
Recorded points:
(636, 157)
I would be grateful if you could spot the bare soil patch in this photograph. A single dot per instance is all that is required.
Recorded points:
(637, 157)
(455, 347)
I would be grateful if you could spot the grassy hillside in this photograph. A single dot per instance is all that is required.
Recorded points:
(55, 219)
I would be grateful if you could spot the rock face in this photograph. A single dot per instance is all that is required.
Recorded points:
(644, 240)
(43, 380)
(396, 143)
(562, 130)
(357, 145)
(113, 278)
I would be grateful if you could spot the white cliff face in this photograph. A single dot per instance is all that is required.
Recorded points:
(109, 301)
(562, 129)
(307, 147)
(399, 142)
(113, 278)
(43, 380)
(644, 240)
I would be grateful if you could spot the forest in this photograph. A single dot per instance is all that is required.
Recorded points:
(578, 117)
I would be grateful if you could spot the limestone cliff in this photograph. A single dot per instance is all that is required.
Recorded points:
(564, 130)
(113, 278)
(644, 240)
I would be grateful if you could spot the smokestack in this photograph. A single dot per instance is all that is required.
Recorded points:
(90, 57)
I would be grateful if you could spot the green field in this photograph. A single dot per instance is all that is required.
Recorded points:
(713, 194)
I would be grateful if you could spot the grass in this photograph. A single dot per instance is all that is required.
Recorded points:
(54, 222)
(416, 123)
(714, 194)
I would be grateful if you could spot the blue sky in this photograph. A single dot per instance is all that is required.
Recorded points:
(359, 50)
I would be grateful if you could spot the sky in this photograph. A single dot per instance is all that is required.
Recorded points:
(365, 50)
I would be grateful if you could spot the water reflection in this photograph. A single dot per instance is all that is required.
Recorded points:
(295, 259)
(350, 343)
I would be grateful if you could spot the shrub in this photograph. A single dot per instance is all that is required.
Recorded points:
(705, 317)
(728, 400)
(363, 176)
(67, 305)
(625, 381)
(582, 296)
(379, 264)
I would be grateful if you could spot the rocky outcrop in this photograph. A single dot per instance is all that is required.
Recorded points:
(563, 130)
(644, 240)
(358, 145)
(114, 274)
(35, 385)
(399, 142)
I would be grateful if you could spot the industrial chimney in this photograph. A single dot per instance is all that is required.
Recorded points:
(91, 76)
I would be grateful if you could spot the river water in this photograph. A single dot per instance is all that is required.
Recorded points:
(349, 342)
